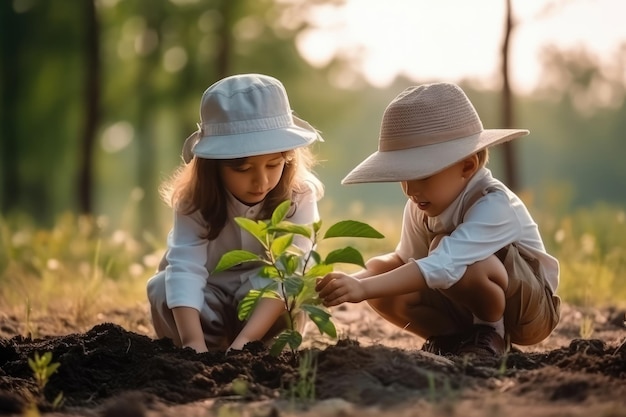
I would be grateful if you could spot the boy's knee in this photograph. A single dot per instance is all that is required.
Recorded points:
(399, 305)
(485, 272)
(378, 303)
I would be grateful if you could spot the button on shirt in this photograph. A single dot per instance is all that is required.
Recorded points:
(191, 257)
(472, 234)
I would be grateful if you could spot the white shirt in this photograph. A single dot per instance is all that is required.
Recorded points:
(191, 257)
(495, 220)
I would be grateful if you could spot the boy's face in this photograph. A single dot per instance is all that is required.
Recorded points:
(252, 178)
(435, 193)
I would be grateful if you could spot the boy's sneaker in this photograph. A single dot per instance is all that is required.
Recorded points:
(445, 344)
(484, 341)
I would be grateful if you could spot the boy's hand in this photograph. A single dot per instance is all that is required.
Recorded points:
(337, 288)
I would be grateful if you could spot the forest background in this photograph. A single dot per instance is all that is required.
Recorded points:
(98, 96)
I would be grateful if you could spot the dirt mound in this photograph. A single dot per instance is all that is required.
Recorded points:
(108, 369)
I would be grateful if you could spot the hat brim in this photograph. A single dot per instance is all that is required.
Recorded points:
(243, 145)
(424, 161)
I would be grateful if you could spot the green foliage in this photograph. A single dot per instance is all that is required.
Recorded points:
(590, 245)
(292, 271)
(139, 135)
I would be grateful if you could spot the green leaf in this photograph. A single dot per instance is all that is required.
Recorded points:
(41, 361)
(32, 365)
(347, 255)
(294, 250)
(289, 263)
(319, 270)
(52, 368)
(58, 400)
(321, 318)
(352, 228)
(293, 286)
(248, 303)
(280, 212)
(288, 227)
(269, 271)
(317, 226)
(307, 295)
(270, 292)
(234, 258)
(258, 229)
(280, 244)
(316, 257)
(288, 337)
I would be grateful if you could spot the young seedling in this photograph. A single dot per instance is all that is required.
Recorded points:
(43, 368)
(303, 389)
(293, 272)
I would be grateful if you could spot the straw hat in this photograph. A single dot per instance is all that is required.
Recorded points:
(424, 130)
(246, 115)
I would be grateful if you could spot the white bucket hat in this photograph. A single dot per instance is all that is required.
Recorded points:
(424, 130)
(246, 115)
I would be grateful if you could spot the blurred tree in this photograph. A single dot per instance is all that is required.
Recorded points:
(156, 57)
(41, 108)
(167, 53)
(9, 72)
(580, 107)
(92, 107)
(510, 155)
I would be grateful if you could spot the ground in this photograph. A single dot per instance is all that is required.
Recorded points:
(115, 367)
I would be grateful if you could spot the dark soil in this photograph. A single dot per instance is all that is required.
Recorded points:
(110, 371)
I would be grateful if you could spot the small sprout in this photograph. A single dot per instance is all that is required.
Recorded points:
(43, 368)
(303, 389)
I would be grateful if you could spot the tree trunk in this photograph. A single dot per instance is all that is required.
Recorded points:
(225, 41)
(510, 155)
(92, 107)
(10, 47)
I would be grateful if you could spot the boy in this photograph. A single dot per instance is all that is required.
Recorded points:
(470, 273)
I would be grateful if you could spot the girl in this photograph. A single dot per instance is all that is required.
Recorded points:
(249, 154)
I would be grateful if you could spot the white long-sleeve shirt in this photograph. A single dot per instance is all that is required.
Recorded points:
(191, 257)
(495, 220)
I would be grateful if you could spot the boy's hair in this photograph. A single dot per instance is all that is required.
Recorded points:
(197, 186)
(483, 157)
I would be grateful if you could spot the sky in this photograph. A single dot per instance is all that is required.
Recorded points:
(448, 40)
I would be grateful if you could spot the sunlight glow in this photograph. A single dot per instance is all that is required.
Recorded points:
(458, 39)
(117, 137)
(175, 59)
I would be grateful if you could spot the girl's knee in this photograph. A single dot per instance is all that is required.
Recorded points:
(156, 288)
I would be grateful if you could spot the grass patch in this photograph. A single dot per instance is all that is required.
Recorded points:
(79, 267)
(83, 266)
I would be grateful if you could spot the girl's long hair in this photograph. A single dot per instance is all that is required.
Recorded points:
(197, 186)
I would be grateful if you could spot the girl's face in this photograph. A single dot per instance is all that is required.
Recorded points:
(435, 193)
(252, 179)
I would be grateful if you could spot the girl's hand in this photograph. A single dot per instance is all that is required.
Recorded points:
(199, 346)
(189, 328)
(337, 288)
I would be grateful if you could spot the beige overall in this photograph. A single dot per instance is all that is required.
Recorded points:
(531, 312)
